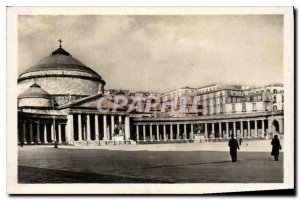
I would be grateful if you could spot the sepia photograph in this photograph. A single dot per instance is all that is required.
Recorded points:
(150, 100)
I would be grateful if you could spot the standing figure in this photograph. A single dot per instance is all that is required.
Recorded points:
(275, 147)
(234, 146)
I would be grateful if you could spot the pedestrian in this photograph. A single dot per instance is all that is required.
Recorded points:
(246, 141)
(275, 147)
(234, 146)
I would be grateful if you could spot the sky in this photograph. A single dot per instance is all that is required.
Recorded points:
(159, 53)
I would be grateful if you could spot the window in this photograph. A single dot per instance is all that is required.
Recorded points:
(274, 108)
(233, 107)
(274, 91)
(255, 98)
(254, 106)
(266, 107)
(244, 107)
(259, 97)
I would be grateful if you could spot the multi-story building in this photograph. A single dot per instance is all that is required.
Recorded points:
(179, 102)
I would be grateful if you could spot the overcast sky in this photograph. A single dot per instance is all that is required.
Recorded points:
(160, 53)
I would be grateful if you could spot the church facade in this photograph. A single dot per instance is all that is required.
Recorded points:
(58, 103)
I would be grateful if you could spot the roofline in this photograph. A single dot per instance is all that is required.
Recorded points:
(81, 100)
(98, 79)
(43, 97)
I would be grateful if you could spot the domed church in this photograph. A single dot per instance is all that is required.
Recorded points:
(57, 101)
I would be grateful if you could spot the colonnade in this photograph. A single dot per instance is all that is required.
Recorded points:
(94, 127)
(41, 132)
(214, 129)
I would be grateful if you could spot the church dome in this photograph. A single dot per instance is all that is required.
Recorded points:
(60, 59)
(35, 91)
(62, 75)
(34, 96)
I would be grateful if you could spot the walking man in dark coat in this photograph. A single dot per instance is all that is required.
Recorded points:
(234, 146)
(275, 147)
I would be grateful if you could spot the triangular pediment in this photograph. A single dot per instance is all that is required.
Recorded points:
(90, 102)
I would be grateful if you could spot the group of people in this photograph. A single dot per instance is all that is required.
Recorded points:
(234, 145)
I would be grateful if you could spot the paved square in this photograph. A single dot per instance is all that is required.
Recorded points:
(173, 163)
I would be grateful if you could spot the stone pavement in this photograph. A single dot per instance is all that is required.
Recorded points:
(178, 163)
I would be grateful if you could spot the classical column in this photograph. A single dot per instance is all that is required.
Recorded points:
(24, 133)
(38, 136)
(70, 129)
(144, 132)
(213, 130)
(192, 132)
(165, 135)
(220, 130)
(52, 133)
(104, 128)
(178, 132)
(184, 133)
(30, 134)
(281, 126)
(263, 128)
(66, 133)
(151, 139)
(112, 125)
(120, 119)
(255, 124)
(79, 128)
(157, 132)
(227, 130)
(137, 133)
(45, 134)
(96, 127)
(205, 130)
(234, 129)
(127, 128)
(242, 129)
(270, 127)
(249, 129)
(88, 127)
(59, 133)
(171, 132)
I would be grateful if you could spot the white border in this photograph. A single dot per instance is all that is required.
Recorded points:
(14, 188)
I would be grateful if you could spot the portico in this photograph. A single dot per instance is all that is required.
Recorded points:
(210, 128)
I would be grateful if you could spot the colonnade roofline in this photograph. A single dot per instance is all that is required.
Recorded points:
(236, 117)
(95, 112)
